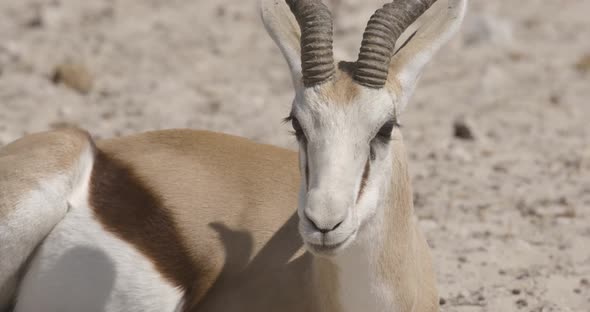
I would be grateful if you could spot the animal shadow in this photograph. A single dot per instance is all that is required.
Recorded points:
(258, 282)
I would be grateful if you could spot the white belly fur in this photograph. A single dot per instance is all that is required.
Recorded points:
(83, 267)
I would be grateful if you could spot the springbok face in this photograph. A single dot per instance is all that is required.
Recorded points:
(344, 161)
(343, 114)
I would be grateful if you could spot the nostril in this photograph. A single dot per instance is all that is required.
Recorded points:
(312, 223)
(321, 229)
(336, 226)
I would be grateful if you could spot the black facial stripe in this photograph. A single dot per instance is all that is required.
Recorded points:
(364, 178)
(304, 146)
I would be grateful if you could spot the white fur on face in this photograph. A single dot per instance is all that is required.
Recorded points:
(336, 148)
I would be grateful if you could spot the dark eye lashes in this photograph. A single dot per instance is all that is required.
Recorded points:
(384, 133)
(297, 129)
(386, 129)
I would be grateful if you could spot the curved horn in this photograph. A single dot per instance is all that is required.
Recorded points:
(315, 21)
(383, 30)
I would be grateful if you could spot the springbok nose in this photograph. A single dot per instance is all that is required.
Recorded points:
(323, 226)
(325, 211)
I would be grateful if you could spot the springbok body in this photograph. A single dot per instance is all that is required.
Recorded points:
(183, 220)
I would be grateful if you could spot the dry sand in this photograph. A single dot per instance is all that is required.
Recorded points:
(507, 214)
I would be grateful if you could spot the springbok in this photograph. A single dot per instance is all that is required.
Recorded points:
(182, 220)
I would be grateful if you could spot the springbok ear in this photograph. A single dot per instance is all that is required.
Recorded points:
(282, 26)
(407, 63)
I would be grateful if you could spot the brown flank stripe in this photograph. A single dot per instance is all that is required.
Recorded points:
(134, 213)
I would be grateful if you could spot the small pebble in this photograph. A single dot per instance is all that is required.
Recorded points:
(35, 22)
(62, 125)
(555, 99)
(583, 65)
(521, 303)
(220, 11)
(516, 291)
(75, 76)
(462, 130)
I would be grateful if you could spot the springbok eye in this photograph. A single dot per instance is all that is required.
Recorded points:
(297, 129)
(296, 125)
(384, 133)
(383, 136)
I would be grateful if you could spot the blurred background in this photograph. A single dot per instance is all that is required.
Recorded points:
(497, 132)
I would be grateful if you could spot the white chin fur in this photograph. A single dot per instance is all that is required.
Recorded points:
(329, 250)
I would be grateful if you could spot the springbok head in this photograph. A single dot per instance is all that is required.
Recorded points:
(344, 113)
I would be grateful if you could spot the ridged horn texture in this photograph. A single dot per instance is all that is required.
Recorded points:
(317, 58)
(383, 30)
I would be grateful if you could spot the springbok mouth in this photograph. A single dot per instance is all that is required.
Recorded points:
(329, 248)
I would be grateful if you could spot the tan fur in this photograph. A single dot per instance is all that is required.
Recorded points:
(341, 89)
(238, 236)
(24, 164)
(406, 261)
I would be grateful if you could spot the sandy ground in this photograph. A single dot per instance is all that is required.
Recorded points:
(507, 214)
